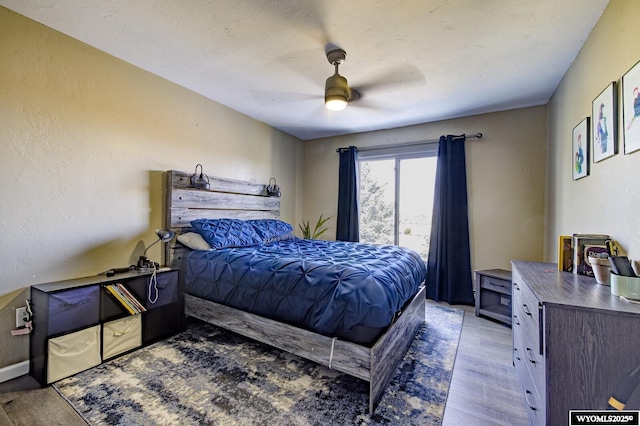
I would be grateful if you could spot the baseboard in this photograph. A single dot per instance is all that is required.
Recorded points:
(13, 371)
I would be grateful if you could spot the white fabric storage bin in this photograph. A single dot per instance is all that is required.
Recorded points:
(121, 335)
(73, 353)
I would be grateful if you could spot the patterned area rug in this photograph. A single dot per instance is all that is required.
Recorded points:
(208, 376)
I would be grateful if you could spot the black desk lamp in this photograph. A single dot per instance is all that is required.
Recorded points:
(143, 263)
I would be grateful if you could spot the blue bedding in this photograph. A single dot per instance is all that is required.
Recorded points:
(340, 289)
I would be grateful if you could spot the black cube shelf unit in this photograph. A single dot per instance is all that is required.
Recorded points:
(78, 323)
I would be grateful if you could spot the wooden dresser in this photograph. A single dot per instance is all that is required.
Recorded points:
(573, 341)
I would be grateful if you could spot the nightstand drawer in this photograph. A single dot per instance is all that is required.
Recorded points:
(495, 284)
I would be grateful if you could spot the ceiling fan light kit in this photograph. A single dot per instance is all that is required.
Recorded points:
(336, 91)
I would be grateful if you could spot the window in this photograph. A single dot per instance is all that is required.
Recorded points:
(396, 195)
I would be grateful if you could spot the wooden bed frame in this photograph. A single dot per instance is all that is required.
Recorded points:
(246, 200)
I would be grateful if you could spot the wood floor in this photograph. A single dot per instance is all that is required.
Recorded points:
(484, 388)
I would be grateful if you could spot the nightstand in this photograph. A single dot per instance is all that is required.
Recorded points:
(493, 294)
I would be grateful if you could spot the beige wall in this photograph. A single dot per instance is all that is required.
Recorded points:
(85, 139)
(608, 200)
(505, 178)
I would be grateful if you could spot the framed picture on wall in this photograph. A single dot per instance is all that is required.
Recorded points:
(604, 125)
(580, 150)
(631, 109)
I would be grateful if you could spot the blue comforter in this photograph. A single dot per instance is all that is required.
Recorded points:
(329, 287)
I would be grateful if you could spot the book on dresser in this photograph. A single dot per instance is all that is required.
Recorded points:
(582, 244)
(565, 253)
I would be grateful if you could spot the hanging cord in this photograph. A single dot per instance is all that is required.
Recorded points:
(153, 287)
(333, 344)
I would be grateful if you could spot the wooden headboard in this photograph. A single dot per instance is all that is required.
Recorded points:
(226, 198)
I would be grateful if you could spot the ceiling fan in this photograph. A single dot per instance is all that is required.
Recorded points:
(377, 89)
(336, 90)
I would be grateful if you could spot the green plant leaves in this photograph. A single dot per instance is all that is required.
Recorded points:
(318, 230)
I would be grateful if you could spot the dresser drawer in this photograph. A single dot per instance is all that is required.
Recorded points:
(528, 308)
(530, 359)
(519, 320)
(516, 290)
(529, 333)
(535, 404)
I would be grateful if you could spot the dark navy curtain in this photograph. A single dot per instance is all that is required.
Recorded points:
(347, 220)
(449, 265)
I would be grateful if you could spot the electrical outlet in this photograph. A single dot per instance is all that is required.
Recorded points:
(21, 317)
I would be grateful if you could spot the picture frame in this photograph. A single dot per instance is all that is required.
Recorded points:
(604, 124)
(631, 109)
(580, 150)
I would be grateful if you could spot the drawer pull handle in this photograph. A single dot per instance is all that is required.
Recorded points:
(526, 310)
(515, 285)
(516, 321)
(527, 396)
(529, 357)
(515, 354)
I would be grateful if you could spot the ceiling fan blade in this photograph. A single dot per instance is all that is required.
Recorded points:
(365, 103)
(305, 71)
(279, 97)
(308, 15)
(398, 78)
(316, 18)
(305, 65)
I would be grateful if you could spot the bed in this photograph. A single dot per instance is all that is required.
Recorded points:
(355, 308)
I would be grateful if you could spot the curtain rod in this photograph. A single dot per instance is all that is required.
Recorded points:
(398, 145)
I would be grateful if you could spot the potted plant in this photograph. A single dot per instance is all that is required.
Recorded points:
(318, 229)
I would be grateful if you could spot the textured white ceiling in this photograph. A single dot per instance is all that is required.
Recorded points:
(414, 61)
